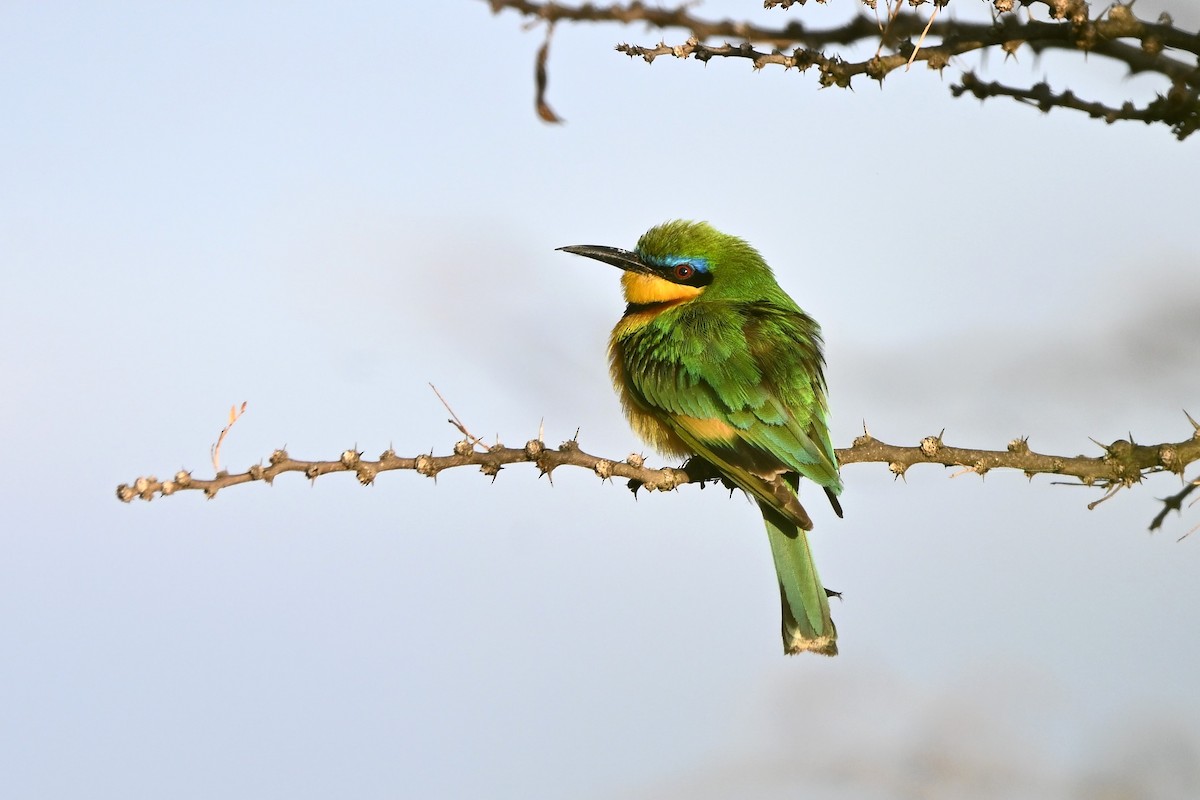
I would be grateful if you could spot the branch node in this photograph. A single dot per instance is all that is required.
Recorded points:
(668, 482)
(635, 460)
(366, 474)
(423, 464)
(930, 446)
(603, 469)
(350, 458)
(278, 457)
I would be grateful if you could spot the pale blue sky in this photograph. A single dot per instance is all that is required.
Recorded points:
(320, 209)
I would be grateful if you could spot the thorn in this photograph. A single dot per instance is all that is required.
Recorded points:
(1195, 425)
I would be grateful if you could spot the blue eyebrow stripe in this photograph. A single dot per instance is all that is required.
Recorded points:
(699, 262)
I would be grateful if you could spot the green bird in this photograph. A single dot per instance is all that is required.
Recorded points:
(712, 359)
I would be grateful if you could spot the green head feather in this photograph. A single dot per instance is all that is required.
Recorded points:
(737, 269)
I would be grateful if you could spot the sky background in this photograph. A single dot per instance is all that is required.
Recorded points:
(320, 209)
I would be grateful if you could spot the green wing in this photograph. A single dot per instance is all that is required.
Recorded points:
(756, 367)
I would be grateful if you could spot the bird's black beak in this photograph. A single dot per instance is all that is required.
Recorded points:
(624, 259)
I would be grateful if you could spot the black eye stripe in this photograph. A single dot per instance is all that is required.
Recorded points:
(686, 273)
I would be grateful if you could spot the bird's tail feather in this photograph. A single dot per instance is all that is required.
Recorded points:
(807, 624)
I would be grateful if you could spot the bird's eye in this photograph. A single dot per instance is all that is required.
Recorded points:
(684, 271)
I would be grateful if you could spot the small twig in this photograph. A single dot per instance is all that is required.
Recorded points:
(235, 414)
(892, 13)
(1116, 487)
(541, 79)
(921, 40)
(1174, 503)
(457, 423)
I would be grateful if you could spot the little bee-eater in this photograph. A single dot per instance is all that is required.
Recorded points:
(712, 359)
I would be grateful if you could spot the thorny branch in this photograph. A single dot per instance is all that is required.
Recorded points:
(1114, 32)
(1122, 464)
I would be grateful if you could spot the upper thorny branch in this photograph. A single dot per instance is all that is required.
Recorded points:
(901, 36)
